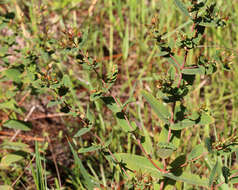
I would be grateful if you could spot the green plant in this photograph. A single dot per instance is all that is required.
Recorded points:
(170, 107)
(116, 140)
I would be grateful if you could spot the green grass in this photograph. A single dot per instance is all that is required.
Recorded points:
(118, 34)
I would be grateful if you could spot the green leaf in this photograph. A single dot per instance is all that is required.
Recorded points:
(182, 7)
(236, 152)
(123, 123)
(196, 152)
(208, 144)
(82, 132)
(3, 50)
(147, 143)
(233, 180)
(89, 149)
(160, 109)
(182, 124)
(165, 150)
(175, 136)
(15, 146)
(54, 103)
(10, 159)
(205, 119)
(142, 164)
(116, 109)
(111, 104)
(11, 105)
(13, 74)
(193, 71)
(66, 81)
(17, 124)
(90, 116)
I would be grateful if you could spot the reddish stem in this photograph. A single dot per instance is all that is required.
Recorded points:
(182, 67)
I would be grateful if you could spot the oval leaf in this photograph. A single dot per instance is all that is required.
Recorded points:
(89, 149)
(196, 152)
(182, 124)
(194, 71)
(9, 159)
(17, 124)
(165, 150)
(15, 146)
(82, 132)
(205, 119)
(13, 74)
(159, 108)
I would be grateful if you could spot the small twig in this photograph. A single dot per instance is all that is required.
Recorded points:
(200, 85)
(90, 10)
(25, 137)
(162, 182)
(182, 67)
(171, 121)
(161, 185)
(49, 116)
(23, 98)
(175, 60)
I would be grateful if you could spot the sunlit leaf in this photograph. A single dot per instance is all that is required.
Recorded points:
(13, 74)
(165, 150)
(10, 159)
(15, 146)
(193, 71)
(161, 109)
(82, 132)
(17, 124)
(89, 149)
(205, 119)
(111, 104)
(196, 152)
(182, 124)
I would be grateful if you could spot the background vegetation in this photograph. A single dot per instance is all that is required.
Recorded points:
(54, 131)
